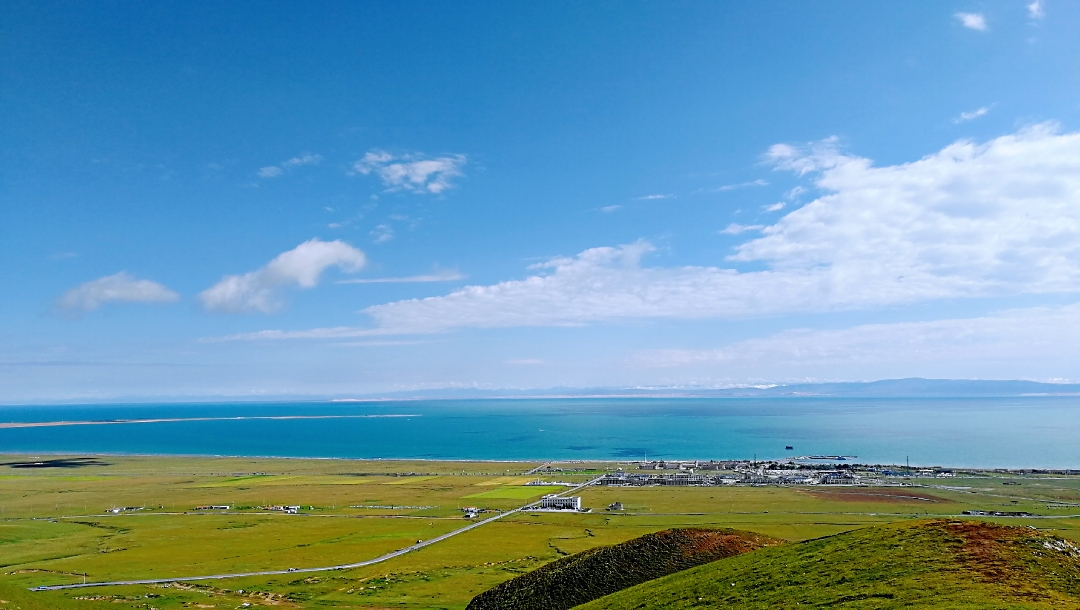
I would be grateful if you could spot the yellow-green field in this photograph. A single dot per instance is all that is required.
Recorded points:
(54, 526)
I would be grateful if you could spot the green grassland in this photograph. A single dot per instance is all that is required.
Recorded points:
(939, 564)
(54, 526)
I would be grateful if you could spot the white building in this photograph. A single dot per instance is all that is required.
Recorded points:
(570, 503)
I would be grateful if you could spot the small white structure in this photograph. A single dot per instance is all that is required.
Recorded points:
(556, 503)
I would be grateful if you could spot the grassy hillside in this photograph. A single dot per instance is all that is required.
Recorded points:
(938, 564)
(597, 572)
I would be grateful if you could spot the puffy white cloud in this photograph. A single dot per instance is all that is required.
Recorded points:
(974, 114)
(598, 284)
(971, 220)
(1046, 339)
(776, 207)
(302, 266)
(1035, 10)
(270, 171)
(411, 172)
(1000, 218)
(972, 21)
(120, 288)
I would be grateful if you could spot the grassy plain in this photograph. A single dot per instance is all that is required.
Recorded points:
(949, 564)
(54, 525)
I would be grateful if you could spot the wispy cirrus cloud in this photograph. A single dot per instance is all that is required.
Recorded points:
(732, 187)
(260, 290)
(413, 171)
(970, 116)
(334, 332)
(447, 275)
(382, 233)
(736, 229)
(117, 288)
(972, 21)
(1043, 338)
(274, 171)
(655, 196)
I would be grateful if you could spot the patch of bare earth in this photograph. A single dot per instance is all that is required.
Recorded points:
(1028, 564)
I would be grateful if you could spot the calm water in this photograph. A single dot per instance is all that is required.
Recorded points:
(985, 432)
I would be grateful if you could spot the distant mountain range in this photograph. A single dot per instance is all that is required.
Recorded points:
(887, 388)
(895, 388)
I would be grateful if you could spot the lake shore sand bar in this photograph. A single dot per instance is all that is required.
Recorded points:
(165, 420)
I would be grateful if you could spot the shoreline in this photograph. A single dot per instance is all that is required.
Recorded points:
(166, 420)
(541, 462)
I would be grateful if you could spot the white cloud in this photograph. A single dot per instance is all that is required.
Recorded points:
(967, 347)
(972, 21)
(382, 233)
(732, 187)
(274, 171)
(412, 172)
(305, 159)
(658, 196)
(736, 229)
(439, 276)
(1000, 218)
(974, 114)
(1035, 10)
(802, 160)
(610, 208)
(336, 332)
(776, 207)
(795, 193)
(972, 220)
(119, 288)
(302, 266)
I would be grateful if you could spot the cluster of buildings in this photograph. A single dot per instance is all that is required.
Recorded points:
(748, 476)
(552, 483)
(472, 512)
(288, 510)
(116, 510)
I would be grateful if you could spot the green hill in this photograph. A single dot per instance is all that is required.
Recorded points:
(591, 574)
(935, 564)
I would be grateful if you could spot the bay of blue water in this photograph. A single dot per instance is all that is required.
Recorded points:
(1025, 432)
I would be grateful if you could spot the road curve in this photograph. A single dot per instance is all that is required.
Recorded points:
(344, 566)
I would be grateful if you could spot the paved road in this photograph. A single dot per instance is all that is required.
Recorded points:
(346, 566)
(534, 470)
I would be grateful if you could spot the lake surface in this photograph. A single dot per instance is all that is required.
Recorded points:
(1025, 432)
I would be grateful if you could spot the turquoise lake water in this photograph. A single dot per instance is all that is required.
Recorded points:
(1025, 432)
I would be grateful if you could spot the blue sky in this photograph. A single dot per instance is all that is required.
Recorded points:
(197, 199)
